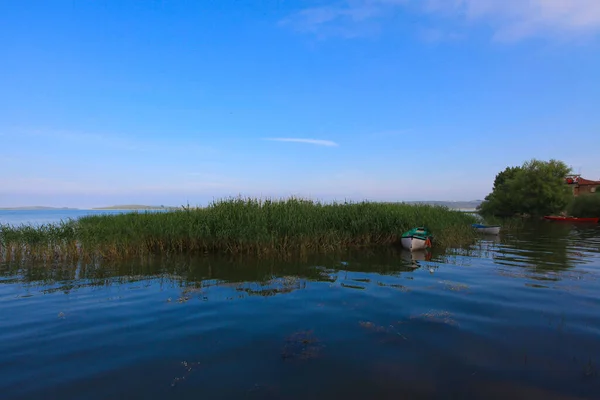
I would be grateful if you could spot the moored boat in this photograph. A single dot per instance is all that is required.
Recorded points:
(487, 229)
(416, 239)
(571, 219)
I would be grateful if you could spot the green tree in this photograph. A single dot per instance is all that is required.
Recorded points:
(535, 188)
(500, 202)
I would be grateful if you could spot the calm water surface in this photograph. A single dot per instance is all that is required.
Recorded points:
(38, 217)
(516, 317)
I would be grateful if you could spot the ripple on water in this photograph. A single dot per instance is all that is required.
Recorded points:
(516, 316)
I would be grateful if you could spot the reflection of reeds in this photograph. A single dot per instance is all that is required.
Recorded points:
(236, 226)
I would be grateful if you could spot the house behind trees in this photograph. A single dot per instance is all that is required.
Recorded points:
(581, 185)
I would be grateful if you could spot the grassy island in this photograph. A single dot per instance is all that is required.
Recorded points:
(234, 226)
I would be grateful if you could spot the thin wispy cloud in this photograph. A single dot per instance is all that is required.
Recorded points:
(317, 142)
(351, 18)
(511, 20)
(517, 19)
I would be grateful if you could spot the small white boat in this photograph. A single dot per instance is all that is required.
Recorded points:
(487, 229)
(416, 239)
(413, 243)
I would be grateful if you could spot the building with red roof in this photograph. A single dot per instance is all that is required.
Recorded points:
(581, 185)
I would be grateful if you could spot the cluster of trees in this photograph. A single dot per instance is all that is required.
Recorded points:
(537, 188)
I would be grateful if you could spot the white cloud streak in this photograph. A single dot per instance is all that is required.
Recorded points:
(317, 142)
(517, 19)
(350, 18)
(511, 20)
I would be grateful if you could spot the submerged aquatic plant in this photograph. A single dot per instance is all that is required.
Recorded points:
(234, 226)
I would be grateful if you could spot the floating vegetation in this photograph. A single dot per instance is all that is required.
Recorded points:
(235, 226)
(390, 329)
(536, 286)
(301, 345)
(442, 316)
(372, 327)
(188, 369)
(455, 286)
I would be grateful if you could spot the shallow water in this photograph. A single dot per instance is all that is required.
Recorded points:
(513, 317)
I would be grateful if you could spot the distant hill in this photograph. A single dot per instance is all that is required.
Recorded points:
(455, 205)
(463, 205)
(134, 207)
(472, 204)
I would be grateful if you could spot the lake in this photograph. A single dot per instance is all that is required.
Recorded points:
(515, 316)
(51, 216)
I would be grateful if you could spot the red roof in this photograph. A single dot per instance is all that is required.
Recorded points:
(582, 181)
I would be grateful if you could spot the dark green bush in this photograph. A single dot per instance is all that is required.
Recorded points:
(585, 206)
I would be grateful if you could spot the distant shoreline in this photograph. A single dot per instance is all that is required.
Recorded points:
(33, 208)
(135, 207)
(275, 229)
(454, 205)
(115, 208)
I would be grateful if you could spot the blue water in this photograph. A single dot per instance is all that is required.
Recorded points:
(39, 217)
(514, 317)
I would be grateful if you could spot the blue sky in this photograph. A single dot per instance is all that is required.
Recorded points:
(168, 102)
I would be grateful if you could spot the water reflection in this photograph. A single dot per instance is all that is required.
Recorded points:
(543, 251)
(385, 323)
(252, 277)
(540, 250)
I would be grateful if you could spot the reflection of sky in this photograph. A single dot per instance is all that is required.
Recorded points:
(245, 326)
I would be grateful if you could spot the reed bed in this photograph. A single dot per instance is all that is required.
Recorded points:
(234, 226)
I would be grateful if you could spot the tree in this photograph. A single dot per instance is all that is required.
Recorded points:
(500, 201)
(535, 188)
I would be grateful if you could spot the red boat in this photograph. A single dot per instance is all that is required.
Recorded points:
(571, 219)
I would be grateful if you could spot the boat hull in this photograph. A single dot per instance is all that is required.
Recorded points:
(488, 230)
(571, 219)
(415, 243)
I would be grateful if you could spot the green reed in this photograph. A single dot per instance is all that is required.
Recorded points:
(235, 226)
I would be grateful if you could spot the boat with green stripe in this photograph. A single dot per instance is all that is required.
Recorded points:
(417, 239)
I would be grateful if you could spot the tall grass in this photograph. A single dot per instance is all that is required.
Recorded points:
(235, 226)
